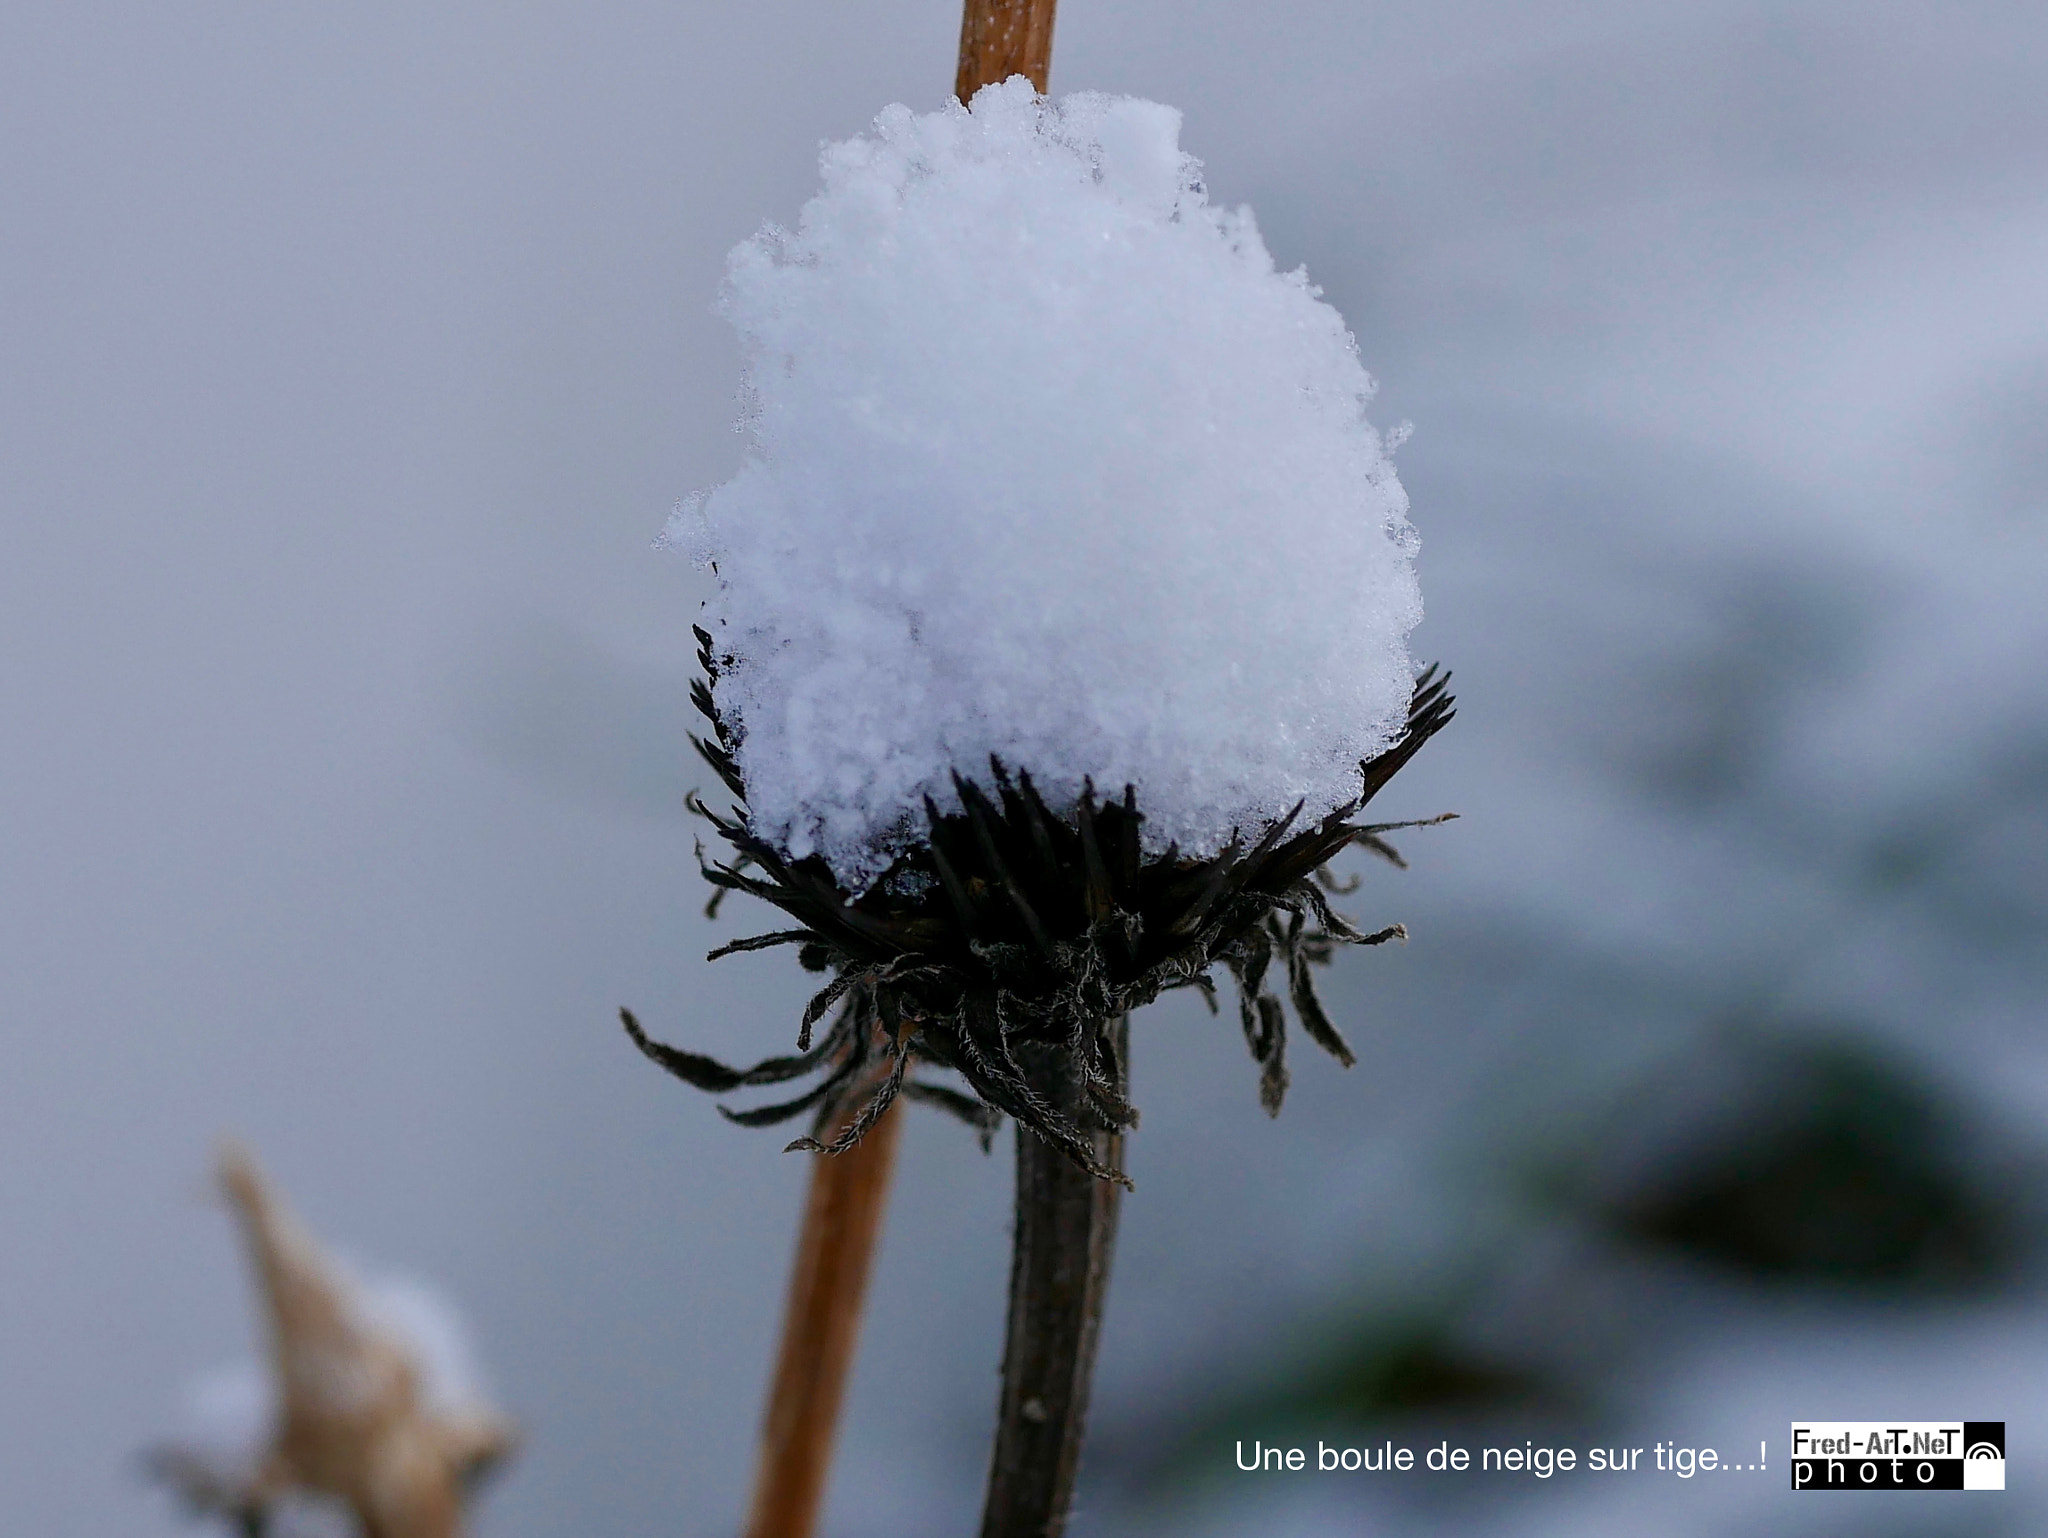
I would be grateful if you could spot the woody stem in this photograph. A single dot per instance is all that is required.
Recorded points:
(1059, 1275)
(1001, 38)
(821, 1326)
(842, 1218)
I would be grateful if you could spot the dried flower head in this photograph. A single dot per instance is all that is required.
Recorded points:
(1015, 923)
(358, 1415)
(1055, 482)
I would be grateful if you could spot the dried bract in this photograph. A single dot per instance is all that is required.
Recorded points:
(1015, 923)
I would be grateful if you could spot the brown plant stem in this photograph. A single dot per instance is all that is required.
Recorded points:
(1001, 38)
(1059, 1275)
(820, 1327)
(843, 1214)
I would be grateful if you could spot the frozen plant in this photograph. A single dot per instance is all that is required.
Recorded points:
(1060, 640)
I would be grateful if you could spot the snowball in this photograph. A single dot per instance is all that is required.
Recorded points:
(1047, 462)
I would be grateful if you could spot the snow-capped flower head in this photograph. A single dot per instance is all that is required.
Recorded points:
(1049, 464)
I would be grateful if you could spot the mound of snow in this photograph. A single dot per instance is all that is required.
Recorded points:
(1048, 462)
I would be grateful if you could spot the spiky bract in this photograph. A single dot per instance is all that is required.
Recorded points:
(1013, 923)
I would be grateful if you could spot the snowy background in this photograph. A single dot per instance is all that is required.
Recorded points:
(355, 357)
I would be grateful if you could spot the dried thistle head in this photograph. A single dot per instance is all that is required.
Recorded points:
(1016, 926)
(356, 1417)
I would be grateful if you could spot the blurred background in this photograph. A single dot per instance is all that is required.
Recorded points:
(353, 359)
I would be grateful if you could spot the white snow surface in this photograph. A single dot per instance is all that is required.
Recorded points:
(1048, 462)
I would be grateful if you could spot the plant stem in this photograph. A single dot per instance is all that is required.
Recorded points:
(1001, 38)
(843, 1216)
(1059, 1274)
(820, 1327)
